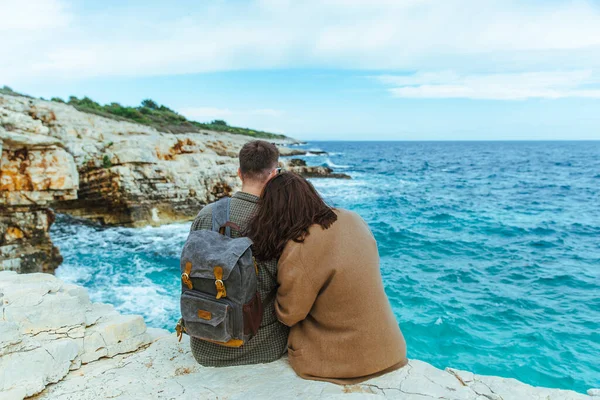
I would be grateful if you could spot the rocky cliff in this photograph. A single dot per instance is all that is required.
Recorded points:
(55, 344)
(105, 170)
(35, 171)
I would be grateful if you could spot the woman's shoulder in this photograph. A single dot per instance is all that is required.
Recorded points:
(352, 222)
(317, 235)
(342, 212)
(349, 217)
(320, 240)
(346, 220)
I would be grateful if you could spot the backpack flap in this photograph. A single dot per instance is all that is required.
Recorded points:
(207, 251)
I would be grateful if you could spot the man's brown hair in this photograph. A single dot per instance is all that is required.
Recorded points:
(257, 160)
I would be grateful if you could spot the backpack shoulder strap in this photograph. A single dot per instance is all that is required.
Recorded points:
(220, 215)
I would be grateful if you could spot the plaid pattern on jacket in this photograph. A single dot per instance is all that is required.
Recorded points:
(270, 343)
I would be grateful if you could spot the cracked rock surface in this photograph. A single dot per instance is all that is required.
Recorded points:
(55, 344)
(167, 370)
(48, 328)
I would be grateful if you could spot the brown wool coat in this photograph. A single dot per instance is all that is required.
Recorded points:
(331, 295)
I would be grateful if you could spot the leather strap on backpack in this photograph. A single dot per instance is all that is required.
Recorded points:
(228, 224)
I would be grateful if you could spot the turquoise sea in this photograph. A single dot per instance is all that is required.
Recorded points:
(490, 252)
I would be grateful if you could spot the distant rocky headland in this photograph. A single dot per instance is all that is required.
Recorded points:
(116, 165)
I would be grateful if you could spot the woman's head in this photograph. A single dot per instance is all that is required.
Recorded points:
(288, 206)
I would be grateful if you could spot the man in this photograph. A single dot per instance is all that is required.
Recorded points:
(258, 164)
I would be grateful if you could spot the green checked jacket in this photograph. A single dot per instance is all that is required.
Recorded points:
(270, 343)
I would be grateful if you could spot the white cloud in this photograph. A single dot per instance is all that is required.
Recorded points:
(45, 39)
(507, 86)
(27, 31)
(20, 17)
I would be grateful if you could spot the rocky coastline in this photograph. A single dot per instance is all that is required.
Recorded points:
(299, 166)
(58, 159)
(56, 344)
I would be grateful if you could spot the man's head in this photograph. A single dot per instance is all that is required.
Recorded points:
(258, 161)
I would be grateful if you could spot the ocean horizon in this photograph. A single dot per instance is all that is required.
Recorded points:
(454, 140)
(489, 252)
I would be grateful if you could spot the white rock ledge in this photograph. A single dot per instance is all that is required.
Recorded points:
(55, 344)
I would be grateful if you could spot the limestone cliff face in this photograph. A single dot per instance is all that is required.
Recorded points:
(35, 171)
(152, 180)
(132, 174)
(54, 156)
(114, 172)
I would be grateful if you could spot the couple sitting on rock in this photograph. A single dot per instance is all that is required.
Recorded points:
(318, 279)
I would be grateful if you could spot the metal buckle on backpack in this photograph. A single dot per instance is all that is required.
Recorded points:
(221, 292)
(186, 280)
(185, 277)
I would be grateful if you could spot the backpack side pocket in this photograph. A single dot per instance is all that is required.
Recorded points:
(253, 312)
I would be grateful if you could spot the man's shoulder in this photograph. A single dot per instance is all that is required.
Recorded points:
(206, 211)
(240, 211)
(204, 218)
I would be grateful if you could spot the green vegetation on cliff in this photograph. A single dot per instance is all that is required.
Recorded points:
(6, 90)
(160, 117)
(151, 113)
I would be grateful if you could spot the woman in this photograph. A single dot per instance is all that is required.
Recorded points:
(330, 294)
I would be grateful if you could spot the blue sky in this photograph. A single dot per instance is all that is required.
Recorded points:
(329, 69)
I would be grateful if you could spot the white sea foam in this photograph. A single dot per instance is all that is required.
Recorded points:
(136, 270)
(348, 190)
(331, 164)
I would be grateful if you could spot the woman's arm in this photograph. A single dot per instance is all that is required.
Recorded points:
(297, 292)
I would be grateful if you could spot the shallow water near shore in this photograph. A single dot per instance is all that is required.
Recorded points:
(490, 252)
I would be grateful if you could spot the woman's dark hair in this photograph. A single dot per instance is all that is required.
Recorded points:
(288, 206)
